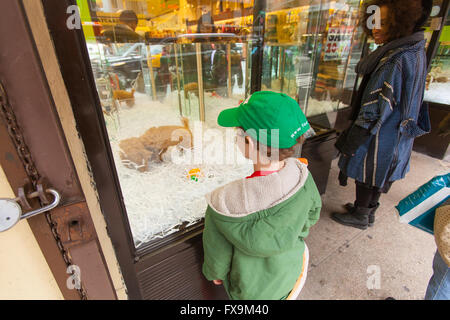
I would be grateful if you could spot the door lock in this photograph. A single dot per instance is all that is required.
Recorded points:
(11, 211)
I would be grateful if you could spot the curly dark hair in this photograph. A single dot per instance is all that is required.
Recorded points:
(405, 16)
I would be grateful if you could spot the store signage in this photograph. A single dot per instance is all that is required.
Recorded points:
(338, 43)
(303, 80)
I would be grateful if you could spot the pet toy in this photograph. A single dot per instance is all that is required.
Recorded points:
(194, 174)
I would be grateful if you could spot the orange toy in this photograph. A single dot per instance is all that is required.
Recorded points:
(194, 174)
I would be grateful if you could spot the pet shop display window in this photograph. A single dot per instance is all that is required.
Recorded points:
(160, 96)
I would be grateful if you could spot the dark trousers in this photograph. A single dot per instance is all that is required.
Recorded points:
(368, 196)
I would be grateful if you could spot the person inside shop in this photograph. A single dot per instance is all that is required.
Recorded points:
(219, 71)
(164, 76)
(236, 67)
(255, 227)
(125, 30)
(376, 148)
(214, 64)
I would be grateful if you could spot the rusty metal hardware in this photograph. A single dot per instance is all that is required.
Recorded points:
(11, 212)
(48, 207)
(16, 135)
(74, 227)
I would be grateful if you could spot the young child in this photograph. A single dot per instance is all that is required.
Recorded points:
(255, 227)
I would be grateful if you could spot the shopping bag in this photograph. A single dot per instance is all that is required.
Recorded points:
(418, 209)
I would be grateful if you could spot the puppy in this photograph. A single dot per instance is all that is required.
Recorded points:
(124, 96)
(161, 138)
(136, 153)
(190, 87)
(193, 87)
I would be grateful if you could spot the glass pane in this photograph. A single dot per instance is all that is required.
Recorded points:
(438, 79)
(430, 24)
(311, 51)
(164, 69)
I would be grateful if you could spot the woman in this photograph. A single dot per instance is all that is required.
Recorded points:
(376, 149)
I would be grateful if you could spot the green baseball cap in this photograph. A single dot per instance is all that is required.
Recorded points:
(266, 115)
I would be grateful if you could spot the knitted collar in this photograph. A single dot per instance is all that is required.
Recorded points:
(368, 64)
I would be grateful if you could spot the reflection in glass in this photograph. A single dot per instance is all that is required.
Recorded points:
(438, 79)
(311, 52)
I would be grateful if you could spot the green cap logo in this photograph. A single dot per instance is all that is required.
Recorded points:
(273, 119)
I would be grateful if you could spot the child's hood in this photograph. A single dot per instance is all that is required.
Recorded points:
(246, 196)
(248, 215)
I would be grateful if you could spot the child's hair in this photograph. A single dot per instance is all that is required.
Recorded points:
(283, 154)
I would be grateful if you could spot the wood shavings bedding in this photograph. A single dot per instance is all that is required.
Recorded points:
(438, 93)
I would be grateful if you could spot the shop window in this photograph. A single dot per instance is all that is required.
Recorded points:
(311, 51)
(438, 79)
(166, 69)
(170, 74)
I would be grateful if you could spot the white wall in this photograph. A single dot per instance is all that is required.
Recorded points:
(24, 273)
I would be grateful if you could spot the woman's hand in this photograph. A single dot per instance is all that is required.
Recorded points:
(217, 282)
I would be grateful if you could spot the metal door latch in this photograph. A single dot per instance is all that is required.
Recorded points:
(11, 211)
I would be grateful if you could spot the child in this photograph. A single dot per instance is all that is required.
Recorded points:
(255, 227)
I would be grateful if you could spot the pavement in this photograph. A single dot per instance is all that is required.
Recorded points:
(390, 259)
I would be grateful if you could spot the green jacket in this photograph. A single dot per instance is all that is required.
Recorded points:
(255, 229)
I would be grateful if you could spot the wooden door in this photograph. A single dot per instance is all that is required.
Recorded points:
(34, 154)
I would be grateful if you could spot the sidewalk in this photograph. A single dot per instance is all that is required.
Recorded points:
(343, 259)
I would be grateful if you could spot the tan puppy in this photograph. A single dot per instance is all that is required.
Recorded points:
(153, 144)
(161, 138)
(193, 87)
(124, 96)
(190, 87)
(134, 153)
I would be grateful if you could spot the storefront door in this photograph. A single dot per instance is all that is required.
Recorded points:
(35, 157)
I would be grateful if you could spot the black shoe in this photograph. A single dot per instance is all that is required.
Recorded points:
(351, 206)
(357, 218)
